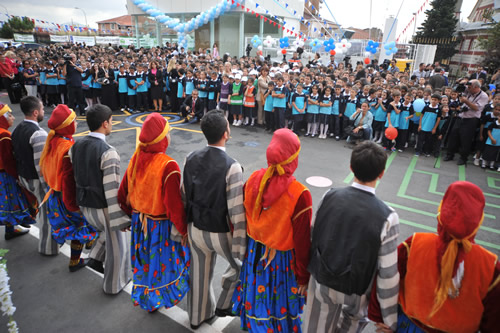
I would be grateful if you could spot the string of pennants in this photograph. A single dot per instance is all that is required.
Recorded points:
(414, 17)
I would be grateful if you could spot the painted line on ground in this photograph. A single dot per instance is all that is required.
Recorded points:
(174, 313)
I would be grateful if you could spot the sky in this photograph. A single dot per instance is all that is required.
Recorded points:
(346, 13)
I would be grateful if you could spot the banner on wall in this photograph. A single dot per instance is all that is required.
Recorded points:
(145, 41)
(88, 40)
(24, 38)
(107, 40)
(59, 39)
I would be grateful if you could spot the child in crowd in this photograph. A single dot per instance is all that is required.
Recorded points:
(380, 116)
(325, 110)
(142, 88)
(492, 147)
(249, 102)
(213, 91)
(442, 129)
(225, 89)
(202, 87)
(298, 108)
(132, 90)
(188, 84)
(267, 101)
(236, 100)
(279, 95)
(393, 117)
(406, 114)
(335, 117)
(431, 115)
(313, 111)
(121, 78)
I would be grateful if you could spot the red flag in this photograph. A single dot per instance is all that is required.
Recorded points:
(253, 12)
(305, 39)
(279, 25)
(288, 30)
(295, 34)
(242, 7)
(232, 2)
(274, 23)
(237, 4)
(257, 15)
(248, 10)
(283, 28)
(265, 19)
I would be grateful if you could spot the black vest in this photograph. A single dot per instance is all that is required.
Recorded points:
(346, 239)
(86, 158)
(205, 188)
(23, 152)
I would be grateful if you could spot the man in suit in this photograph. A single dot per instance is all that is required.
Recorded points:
(479, 74)
(192, 108)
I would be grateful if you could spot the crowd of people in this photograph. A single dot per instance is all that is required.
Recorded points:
(284, 274)
(313, 98)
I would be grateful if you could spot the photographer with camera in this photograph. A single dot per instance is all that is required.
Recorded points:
(473, 100)
(73, 74)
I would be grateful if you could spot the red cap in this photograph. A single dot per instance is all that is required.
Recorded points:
(152, 127)
(60, 114)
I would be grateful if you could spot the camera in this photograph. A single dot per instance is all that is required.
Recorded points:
(67, 57)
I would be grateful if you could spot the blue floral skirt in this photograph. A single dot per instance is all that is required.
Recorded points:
(267, 299)
(67, 225)
(160, 265)
(14, 207)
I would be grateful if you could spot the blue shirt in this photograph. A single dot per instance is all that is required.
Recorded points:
(429, 117)
(300, 102)
(325, 109)
(406, 111)
(313, 108)
(268, 105)
(350, 107)
(280, 102)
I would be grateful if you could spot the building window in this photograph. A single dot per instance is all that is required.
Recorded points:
(471, 45)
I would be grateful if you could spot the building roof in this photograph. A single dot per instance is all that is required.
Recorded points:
(376, 33)
(125, 20)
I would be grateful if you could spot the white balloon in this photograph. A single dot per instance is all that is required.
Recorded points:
(259, 48)
(367, 54)
(344, 41)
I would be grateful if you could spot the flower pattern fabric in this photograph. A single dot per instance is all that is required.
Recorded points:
(160, 265)
(67, 225)
(267, 299)
(14, 207)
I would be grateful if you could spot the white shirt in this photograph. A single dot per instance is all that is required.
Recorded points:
(218, 147)
(98, 136)
(363, 187)
(32, 121)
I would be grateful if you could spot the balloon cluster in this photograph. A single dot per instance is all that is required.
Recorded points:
(315, 45)
(183, 40)
(284, 43)
(329, 45)
(185, 27)
(343, 46)
(390, 48)
(372, 47)
(256, 41)
(298, 42)
(268, 41)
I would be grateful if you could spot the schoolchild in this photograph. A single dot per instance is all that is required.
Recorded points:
(87, 84)
(492, 147)
(213, 91)
(267, 101)
(188, 84)
(442, 129)
(393, 118)
(313, 111)
(52, 82)
(429, 121)
(380, 115)
(132, 90)
(406, 114)
(249, 102)
(299, 100)
(325, 110)
(142, 88)
(121, 78)
(235, 100)
(202, 86)
(279, 95)
(225, 88)
(336, 116)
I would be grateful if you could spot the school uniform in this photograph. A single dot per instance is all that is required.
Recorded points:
(335, 128)
(51, 87)
(213, 89)
(142, 91)
(96, 88)
(131, 91)
(279, 105)
(62, 88)
(300, 101)
(188, 84)
(491, 151)
(202, 86)
(425, 137)
(268, 111)
(225, 91)
(380, 116)
(122, 88)
(395, 117)
(87, 83)
(249, 110)
(444, 125)
(43, 87)
(406, 111)
(236, 102)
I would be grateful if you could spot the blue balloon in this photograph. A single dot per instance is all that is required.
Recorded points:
(418, 105)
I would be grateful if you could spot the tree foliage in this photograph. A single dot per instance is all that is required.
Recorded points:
(16, 25)
(441, 23)
(491, 44)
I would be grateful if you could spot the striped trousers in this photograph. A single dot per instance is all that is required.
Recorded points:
(46, 244)
(205, 246)
(112, 248)
(329, 310)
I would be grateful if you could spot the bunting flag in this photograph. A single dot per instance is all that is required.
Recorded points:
(407, 27)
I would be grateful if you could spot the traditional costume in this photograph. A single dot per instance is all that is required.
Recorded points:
(28, 140)
(213, 187)
(150, 193)
(14, 207)
(449, 283)
(278, 211)
(65, 217)
(354, 243)
(96, 166)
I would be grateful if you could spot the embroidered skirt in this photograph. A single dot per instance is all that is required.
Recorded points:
(160, 265)
(67, 225)
(267, 299)
(14, 207)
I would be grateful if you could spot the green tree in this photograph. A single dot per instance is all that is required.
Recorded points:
(491, 44)
(15, 25)
(441, 23)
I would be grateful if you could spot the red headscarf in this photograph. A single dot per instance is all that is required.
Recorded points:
(153, 139)
(61, 123)
(4, 108)
(460, 215)
(282, 160)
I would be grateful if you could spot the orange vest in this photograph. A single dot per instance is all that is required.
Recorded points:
(52, 164)
(249, 100)
(147, 194)
(3, 137)
(274, 225)
(416, 295)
